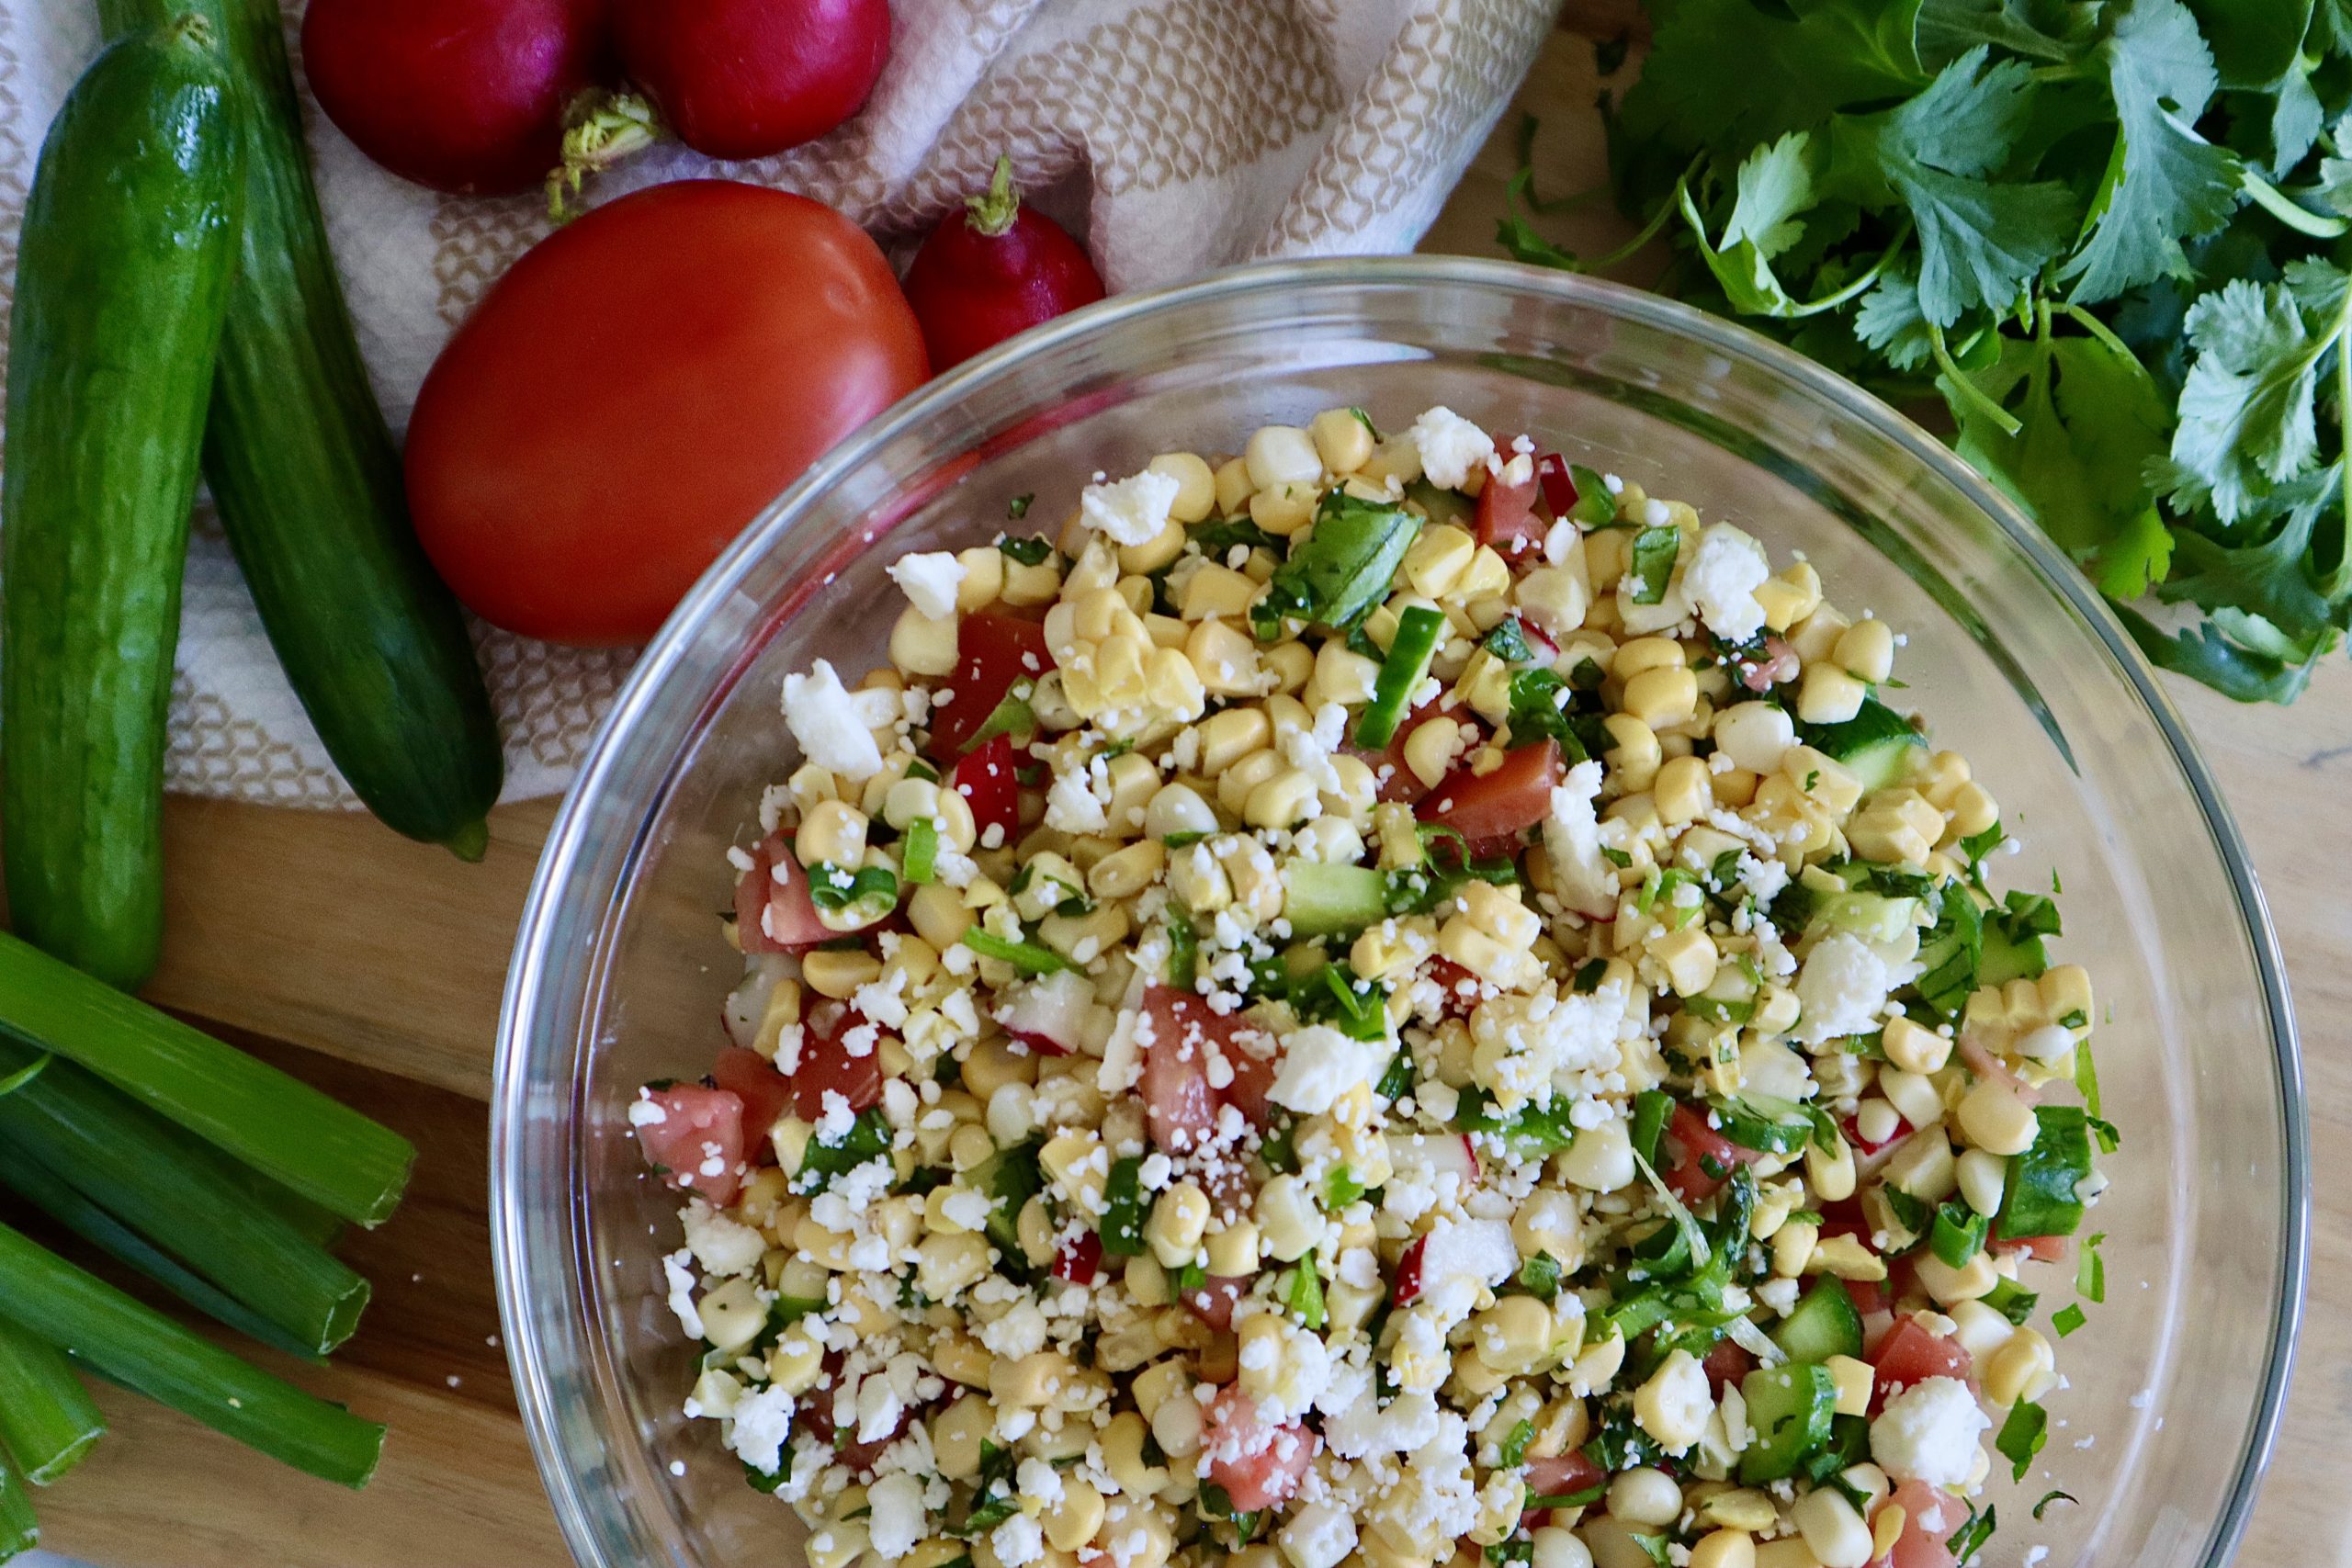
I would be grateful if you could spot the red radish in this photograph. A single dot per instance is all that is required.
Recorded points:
(993, 653)
(1726, 1362)
(1050, 1013)
(998, 270)
(1408, 1269)
(1780, 663)
(1563, 1475)
(985, 779)
(1079, 1260)
(745, 78)
(1559, 484)
(1506, 515)
(1214, 1303)
(464, 96)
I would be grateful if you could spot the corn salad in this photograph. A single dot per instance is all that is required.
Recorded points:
(1382, 1000)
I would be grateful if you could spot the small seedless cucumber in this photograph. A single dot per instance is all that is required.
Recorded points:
(122, 283)
(309, 485)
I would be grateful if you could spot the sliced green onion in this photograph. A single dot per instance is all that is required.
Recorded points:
(1959, 1233)
(49, 1192)
(922, 849)
(1026, 956)
(2068, 1318)
(2090, 1271)
(1418, 631)
(46, 1416)
(1184, 951)
(133, 1344)
(837, 887)
(2021, 1435)
(1123, 1209)
(172, 1188)
(19, 1531)
(1303, 1294)
(326, 1152)
(10, 1083)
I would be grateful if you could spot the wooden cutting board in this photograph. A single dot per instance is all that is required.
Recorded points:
(372, 967)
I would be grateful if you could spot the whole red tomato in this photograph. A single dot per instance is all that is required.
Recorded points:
(458, 95)
(632, 392)
(745, 78)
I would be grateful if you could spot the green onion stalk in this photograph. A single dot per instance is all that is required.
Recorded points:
(46, 1418)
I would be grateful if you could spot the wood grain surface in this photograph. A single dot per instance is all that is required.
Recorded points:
(372, 966)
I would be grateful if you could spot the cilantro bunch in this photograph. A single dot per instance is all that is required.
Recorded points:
(2113, 238)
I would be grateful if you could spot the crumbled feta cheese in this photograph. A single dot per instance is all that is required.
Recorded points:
(1929, 1432)
(762, 1422)
(1582, 876)
(646, 1111)
(898, 1519)
(1450, 446)
(829, 724)
(1522, 1043)
(1841, 988)
(1132, 512)
(931, 578)
(1722, 579)
(722, 1246)
(1019, 1541)
(1037, 1478)
(1320, 1065)
(680, 1281)
(1319, 1535)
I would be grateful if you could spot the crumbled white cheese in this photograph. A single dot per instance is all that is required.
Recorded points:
(1581, 874)
(1929, 1432)
(680, 1281)
(1134, 510)
(723, 1246)
(1319, 1535)
(762, 1422)
(829, 724)
(931, 578)
(1722, 579)
(898, 1519)
(1320, 1064)
(1841, 988)
(1019, 1541)
(1450, 446)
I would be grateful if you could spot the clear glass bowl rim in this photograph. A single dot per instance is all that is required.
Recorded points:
(513, 1080)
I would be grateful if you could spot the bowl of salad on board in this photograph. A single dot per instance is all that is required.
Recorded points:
(1396, 913)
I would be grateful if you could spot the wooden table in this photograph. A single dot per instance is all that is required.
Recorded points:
(373, 968)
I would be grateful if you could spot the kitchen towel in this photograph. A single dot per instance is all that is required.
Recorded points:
(1172, 135)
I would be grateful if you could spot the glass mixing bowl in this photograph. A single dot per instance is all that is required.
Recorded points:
(2175, 1386)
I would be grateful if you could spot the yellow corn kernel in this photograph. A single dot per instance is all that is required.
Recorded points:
(1432, 748)
(1683, 790)
(1814, 639)
(2023, 1368)
(1178, 1219)
(1227, 737)
(1994, 1119)
(838, 975)
(1233, 487)
(1284, 800)
(1915, 1049)
(1223, 657)
(1437, 559)
(1283, 511)
(1853, 1379)
(1341, 439)
(1846, 1257)
(1829, 696)
(1973, 811)
(1281, 455)
(1663, 696)
(1688, 957)
(1215, 590)
(1637, 654)
(1635, 756)
(1340, 677)
(1866, 649)
(1234, 784)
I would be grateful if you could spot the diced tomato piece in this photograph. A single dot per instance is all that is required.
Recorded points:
(1511, 799)
(1409, 1270)
(1079, 1259)
(1728, 1361)
(1910, 1354)
(1506, 517)
(1460, 986)
(1699, 1159)
(1931, 1517)
(752, 1079)
(1867, 1295)
(774, 915)
(698, 1141)
(1563, 1476)
(1214, 1303)
(994, 651)
(826, 1065)
(1259, 1465)
(817, 1412)
(1398, 782)
(2047, 1249)
(1558, 484)
(984, 778)
(1179, 1104)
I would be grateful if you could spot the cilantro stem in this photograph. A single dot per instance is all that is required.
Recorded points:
(1649, 231)
(2105, 336)
(1969, 390)
(2340, 578)
(2302, 220)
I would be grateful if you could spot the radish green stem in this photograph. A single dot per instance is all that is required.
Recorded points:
(324, 1151)
(135, 1346)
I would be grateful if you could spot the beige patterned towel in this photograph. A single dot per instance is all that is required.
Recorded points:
(1172, 135)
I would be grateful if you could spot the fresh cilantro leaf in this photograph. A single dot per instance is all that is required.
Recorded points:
(1949, 29)
(1698, 86)
(1970, 1538)
(1774, 185)
(2254, 42)
(2163, 182)
(1980, 242)
(2203, 654)
(2021, 1435)
(2248, 418)
(1889, 319)
(1344, 567)
(2054, 1496)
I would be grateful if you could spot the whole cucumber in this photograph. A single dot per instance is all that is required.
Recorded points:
(122, 284)
(307, 482)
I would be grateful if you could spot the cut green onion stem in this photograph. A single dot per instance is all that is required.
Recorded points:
(19, 1531)
(46, 1416)
(54, 1196)
(175, 1190)
(1418, 631)
(1026, 956)
(146, 1352)
(324, 1151)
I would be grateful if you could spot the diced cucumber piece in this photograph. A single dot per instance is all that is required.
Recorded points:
(1327, 900)
(1763, 1121)
(2042, 1196)
(1875, 745)
(1441, 505)
(1874, 917)
(2004, 961)
(1822, 1325)
(1419, 632)
(1791, 1408)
